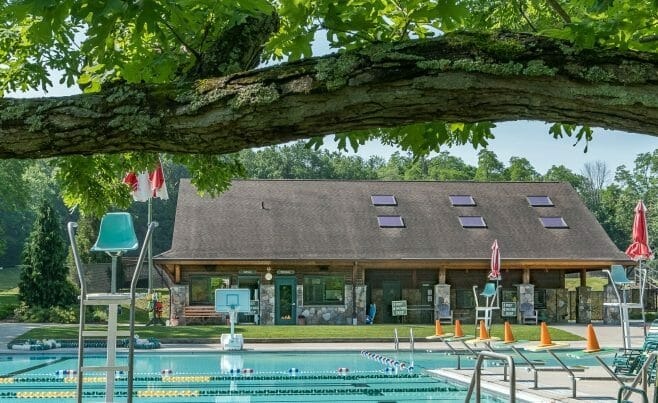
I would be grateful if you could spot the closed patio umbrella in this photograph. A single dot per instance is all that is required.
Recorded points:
(494, 274)
(639, 249)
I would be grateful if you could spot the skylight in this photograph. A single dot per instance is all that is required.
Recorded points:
(540, 201)
(390, 221)
(462, 200)
(553, 222)
(472, 221)
(383, 200)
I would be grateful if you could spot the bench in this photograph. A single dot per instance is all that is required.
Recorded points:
(201, 312)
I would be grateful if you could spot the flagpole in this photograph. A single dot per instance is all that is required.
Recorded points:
(150, 245)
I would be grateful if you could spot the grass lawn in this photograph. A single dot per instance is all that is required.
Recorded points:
(9, 277)
(310, 332)
(9, 297)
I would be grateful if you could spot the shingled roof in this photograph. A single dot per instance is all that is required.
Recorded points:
(336, 220)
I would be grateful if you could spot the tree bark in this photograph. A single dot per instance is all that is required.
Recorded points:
(456, 78)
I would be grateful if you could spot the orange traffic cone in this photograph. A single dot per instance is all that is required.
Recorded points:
(509, 337)
(484, 335)
(592, 341)
(438, 330)
(545, 337)
(458, 328)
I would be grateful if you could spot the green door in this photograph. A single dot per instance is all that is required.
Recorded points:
(392, 291)
(285, 300)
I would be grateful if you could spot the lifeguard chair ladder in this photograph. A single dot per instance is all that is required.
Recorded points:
(116, 236)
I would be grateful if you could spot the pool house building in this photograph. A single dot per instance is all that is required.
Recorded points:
(322, 251)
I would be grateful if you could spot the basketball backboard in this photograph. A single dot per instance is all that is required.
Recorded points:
(232, 299)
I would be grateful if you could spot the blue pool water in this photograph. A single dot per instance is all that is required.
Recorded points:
(243, 377)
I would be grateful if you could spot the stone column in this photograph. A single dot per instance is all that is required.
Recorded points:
(525, 295)
(584, 310)
(177, 300)
(610, 312)
(361, 308)
(266, 304)
(441, 301)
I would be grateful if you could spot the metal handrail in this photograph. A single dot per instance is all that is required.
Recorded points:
(133, 291)
(396, 340)
(630, 390)
(475, 381)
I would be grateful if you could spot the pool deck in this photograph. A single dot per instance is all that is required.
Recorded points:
(553, 386)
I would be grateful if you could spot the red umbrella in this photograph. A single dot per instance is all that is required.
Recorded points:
(639, 249)
(495, 261)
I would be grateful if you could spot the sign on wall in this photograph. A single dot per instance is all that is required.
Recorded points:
(399, 308)
(508, 309)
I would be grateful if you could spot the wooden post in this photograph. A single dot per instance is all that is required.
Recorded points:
(177, 274)
(526, 276)
(583, 277)
(442, 275)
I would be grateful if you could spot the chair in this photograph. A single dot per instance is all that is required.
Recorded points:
(620, 284)
(529, 315)
(444, 314)
(116, 236)
(485, 312)
(371, 314)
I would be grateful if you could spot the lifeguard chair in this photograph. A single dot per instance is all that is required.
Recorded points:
(485, 312)
(621, 284)
(115, 237)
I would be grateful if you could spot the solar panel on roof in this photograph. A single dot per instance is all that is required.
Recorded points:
(473, 221)
(383, 200)
(540, 201)
(553, 222)
(390, 221)
(462, 200)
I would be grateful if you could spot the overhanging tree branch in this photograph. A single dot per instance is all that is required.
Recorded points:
(459, 78)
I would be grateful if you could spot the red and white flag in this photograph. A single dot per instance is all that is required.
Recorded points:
(145, 185)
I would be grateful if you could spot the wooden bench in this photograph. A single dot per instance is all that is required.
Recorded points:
(201, 312)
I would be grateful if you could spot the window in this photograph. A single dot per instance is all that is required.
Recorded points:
(462, 200)
(390, 221)
(324, 290)
(472, 221)
(553, 222)
(540, 201)
(383, 200)
(464, 299)
(202, 289)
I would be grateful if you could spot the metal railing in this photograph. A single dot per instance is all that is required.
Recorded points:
(477, 374)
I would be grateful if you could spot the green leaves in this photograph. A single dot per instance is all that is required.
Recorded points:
(558, 130)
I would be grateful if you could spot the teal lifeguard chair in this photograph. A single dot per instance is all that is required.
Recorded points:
(485, 311)
(115, 237)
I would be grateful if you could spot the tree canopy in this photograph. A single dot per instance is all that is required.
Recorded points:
(186, 78)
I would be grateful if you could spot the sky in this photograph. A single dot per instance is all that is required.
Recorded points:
(531, 140)
(527, 139)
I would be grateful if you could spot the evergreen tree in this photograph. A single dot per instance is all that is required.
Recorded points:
(43, 281)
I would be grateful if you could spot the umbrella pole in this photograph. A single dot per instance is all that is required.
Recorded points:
(150, 246)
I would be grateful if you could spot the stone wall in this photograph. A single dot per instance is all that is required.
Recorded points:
(267, 304)
(338, 314)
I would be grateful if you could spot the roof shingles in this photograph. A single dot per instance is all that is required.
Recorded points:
(313, 219)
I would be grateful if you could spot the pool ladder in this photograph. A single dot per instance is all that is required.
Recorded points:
(396, 343)
(112, 300)
(477, 375)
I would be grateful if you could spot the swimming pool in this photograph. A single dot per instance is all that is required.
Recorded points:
(245, 376)
(238, 377)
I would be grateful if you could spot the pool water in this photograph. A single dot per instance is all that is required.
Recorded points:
(241, 377)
